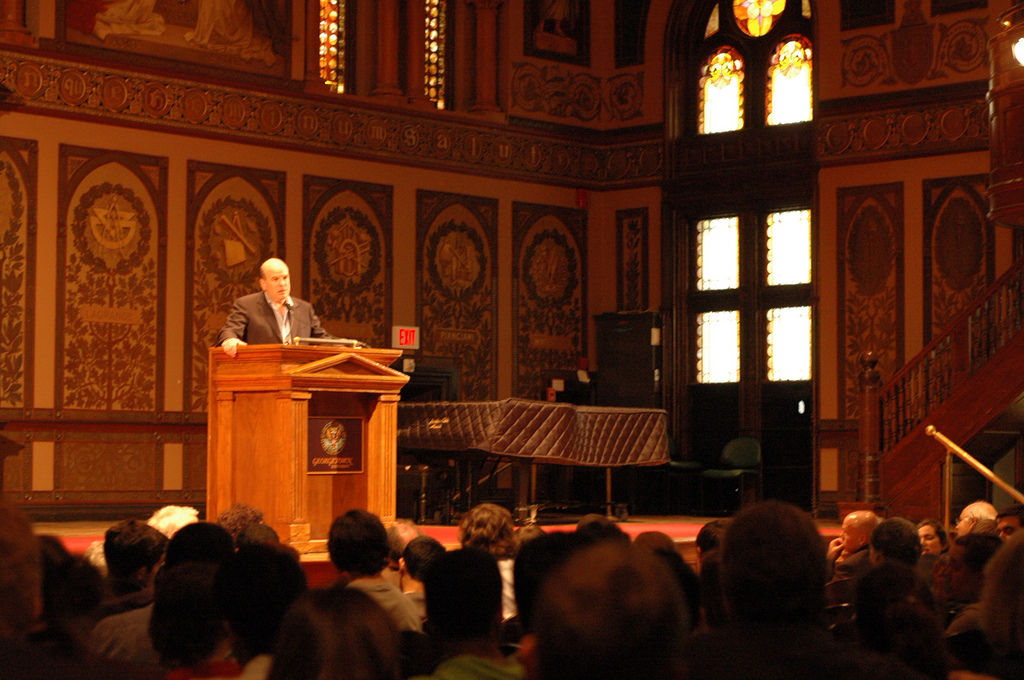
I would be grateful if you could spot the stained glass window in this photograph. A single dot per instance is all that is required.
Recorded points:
(718, 254)
(712, 26)
(789, 82)
(789, 343)
(434, 44)
(721, 92)
(718, 347)
(756, 17)
(789, 247)
(332, 43)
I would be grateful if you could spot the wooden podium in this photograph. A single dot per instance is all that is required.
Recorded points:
(303, 433)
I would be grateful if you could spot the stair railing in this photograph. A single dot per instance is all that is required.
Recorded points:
(964, 346)
(947, 476)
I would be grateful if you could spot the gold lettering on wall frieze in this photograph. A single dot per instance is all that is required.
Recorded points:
(462, 336)
(113, 315)
(54, 85)
(556, 342)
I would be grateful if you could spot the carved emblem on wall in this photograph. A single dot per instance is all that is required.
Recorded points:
(959, 244)
(457, 286)
(549, 283)
(914, 52)
(556, 92)
(110, 309)
(236, 221)
(631, 253)
(346, 239)
(17, 270)
(870, 272)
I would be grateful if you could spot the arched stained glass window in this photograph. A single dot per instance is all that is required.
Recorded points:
(434, 48)
(332, 44)
(712, 26)
(789, 82)
(756, 17)
(721, 92)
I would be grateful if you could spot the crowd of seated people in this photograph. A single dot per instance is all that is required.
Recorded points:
(769, 598)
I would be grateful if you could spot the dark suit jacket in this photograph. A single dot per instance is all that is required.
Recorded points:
(253, 321)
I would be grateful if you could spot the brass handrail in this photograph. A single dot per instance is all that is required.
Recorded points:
(952, 448)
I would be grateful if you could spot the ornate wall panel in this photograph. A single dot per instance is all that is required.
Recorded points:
(631, 255)
(870, 274)
(331, 126)
(235, 222)
(111, 247)
(18, 183)
(457, 286)
(549, 293)
(959, 247)
(347, 231)
(557, 92)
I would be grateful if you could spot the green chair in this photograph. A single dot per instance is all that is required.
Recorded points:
(740, 463)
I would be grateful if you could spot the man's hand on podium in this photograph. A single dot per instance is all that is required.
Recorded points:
(231, 346)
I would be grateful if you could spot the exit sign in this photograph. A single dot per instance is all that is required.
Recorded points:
(405, 337)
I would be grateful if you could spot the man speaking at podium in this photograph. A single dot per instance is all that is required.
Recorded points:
(271, 317)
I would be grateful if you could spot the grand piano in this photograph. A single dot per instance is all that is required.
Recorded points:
(521, 433)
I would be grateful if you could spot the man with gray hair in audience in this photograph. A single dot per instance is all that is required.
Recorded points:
(977, 518)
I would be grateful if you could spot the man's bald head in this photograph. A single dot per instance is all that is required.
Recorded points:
(275, 280)
(974, 513)
(857, 528)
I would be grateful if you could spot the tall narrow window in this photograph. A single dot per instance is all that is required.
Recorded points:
(332, 44)
(712, 26)
(756, 17)
(721, 92)
(718, 254)
(789, 343)
(434, 44)
(789, 247)
(789, 82)
(718, 347)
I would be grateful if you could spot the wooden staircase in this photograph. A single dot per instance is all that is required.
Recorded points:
(959, 382)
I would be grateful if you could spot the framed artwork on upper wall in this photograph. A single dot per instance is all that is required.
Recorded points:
(251, 36)
(558, 30)
(949, 6)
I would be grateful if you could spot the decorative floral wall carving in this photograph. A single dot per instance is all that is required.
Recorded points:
(557, 92)
(17, 270)
(347, 248)
(457, 286)
(111, 244)
(870, 269)
(631, 254)
(235, 222)
(549, 294)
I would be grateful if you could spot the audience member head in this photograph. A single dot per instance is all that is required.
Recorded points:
(933, 537)
(714, 613)
(254, 589)
(419, 553)
(535, 561)
(709, 538)
(686, 579)
(612, 611)
(896, 539)
(972, 515)
(199, 542)
(773, 565)
(72, 590)
(132, 550)
(238, 517)
(358, 544)
(654, 540)
(21, 574)
(186, 627)
(967, 559)
(463, 590)
(527, 533)
(1009, 520)
(489, 527)
(597, 527)
(895, 614)
(399, 535)
(257, 534)
(340, 634)
(857, 528)
(1002, 599)
(168, 519)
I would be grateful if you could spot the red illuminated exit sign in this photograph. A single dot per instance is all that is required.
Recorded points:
(405, 337)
